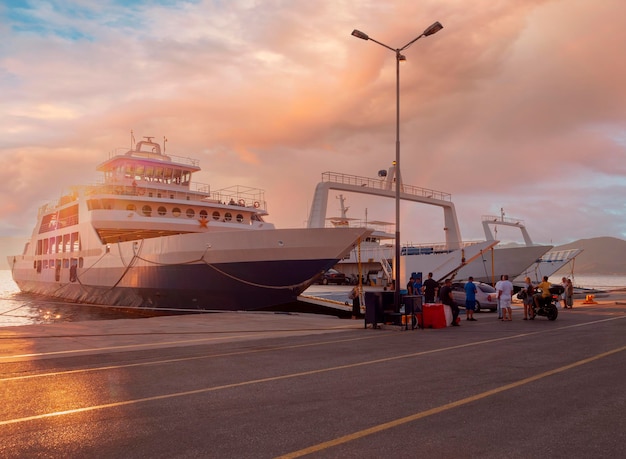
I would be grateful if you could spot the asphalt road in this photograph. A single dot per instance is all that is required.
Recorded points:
(488, 389)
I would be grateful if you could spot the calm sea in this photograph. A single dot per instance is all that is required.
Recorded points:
(18, 308)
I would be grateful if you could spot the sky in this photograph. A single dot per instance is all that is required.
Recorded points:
(513, 105)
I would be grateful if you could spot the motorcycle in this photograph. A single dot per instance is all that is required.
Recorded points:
(548, 306)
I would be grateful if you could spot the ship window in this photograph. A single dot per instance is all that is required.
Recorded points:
(176, 212)
(162, 210)
(45, 246)
(203, 214)
(66, 263)
(239, 218)
(131, 207)
(147, 210)
(52, 263)
(228, 217)
(190, 213)
(45, 264)
(75, 243)
(80, 262)
(66, 243)
(216, 215)
(59, 244)
(93, 204)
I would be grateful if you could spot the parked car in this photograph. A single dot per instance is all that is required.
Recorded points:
(332, 276)
(486, 296)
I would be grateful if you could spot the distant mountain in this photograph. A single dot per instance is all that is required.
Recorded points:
(601, 255)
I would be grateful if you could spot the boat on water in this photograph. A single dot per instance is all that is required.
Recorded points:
(484, 260)
(517, 261)
(149, 237)
(547, 265)
(442, 259)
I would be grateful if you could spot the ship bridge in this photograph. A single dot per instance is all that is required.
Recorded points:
(384, 186)
(147, 164)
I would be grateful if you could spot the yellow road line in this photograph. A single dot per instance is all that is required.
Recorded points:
(312, 372)
(442, 408)
(186, 359)
(157, 343)
(277, 348)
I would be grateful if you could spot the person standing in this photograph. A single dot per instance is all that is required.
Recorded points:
(417, 286)
(497, 286)
(528, 300)
(409, 286)
(445, 295)
(430, 288)
(470, 299)
(569, 294)
(564, 294)
(505, 294)
(356, 302)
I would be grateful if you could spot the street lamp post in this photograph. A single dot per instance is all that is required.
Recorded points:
(434, 28)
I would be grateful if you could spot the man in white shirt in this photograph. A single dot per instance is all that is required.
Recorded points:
(505, 295)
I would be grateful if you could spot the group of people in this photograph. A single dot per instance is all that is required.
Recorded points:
(536, 294)
(445, 296)
(568, 293)
(431, 290)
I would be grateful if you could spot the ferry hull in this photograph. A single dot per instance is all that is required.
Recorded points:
(508, 260)
(247, 270)
(229, 286)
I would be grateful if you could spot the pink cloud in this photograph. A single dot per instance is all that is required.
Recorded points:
(273, 97)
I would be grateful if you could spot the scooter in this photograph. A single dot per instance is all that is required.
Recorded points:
(548, 306)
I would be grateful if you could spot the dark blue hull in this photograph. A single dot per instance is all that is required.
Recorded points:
(232, 287)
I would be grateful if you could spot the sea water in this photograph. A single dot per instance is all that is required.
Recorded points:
(604, 282)
(18, 308)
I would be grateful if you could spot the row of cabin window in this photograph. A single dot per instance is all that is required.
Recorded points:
(50, 264)
(190, 213)
(59, 244)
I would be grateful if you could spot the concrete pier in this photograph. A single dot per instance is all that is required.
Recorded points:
(262, 385)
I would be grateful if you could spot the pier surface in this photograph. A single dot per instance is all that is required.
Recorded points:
(262, 385)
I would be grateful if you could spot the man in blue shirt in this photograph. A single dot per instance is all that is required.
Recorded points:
(470, 299)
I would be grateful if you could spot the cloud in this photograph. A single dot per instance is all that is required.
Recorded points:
(513, 104)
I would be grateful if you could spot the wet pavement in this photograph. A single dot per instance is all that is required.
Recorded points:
(287, 385)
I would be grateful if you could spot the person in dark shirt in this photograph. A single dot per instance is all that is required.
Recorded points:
(430, 289)
(445, 295)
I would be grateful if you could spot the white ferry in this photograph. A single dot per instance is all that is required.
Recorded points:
(148, 237)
